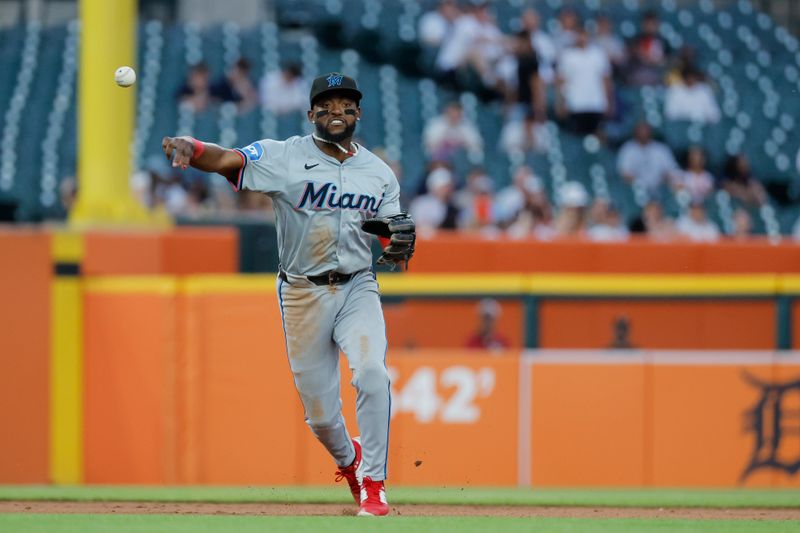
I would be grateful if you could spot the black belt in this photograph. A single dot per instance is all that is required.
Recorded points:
(328, 278)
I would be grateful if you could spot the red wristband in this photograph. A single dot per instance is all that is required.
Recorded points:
(199, 148)
(385, 241)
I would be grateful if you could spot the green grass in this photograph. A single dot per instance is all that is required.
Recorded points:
(765, 498)
(80, 523)
(13, 523)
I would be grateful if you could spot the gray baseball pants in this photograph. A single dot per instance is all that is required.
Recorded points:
(318, 322)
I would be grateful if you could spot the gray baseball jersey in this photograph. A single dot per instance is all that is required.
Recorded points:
(320, 204)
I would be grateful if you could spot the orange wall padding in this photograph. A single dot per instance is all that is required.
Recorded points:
(694, 442)
(581, 323)
(130, 388)
(195, 388)
(453, 252)
(25, 273)
(680, 420)
(447, 323)
(175, 251)
(474, 416)
(688, 324)
(240, 414)
(588, 425)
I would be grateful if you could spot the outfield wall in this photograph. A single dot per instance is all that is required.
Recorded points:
(185, 380)
(166, 376)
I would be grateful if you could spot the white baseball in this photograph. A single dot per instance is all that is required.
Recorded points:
(125, 76)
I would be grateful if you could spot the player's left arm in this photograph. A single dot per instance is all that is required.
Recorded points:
(395, 229)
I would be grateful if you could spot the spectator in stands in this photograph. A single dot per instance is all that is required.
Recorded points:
(202, 194)
(436, 209)
(742, 225)
(511, 200)
(543, 44)
(68, 192)
(450, 132)
(684, 58)
(739, 182)
(535, 220)
(196, 90)
(487, 337)
(529, 94)
(586, 94)
(691, 99)
(436, 26)
(610, 43)
(157, 186)
(284, 91)
(396, 167)
(568, 28)
(237, 87)
(696, 181)
(474, 202)
(476, 42)
(644, 161)
(605, 223)
(648, 53)
(695, 225)
(519, 137)
(652, 222)
(572, 202)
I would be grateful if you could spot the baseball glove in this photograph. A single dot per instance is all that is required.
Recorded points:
(400, 232)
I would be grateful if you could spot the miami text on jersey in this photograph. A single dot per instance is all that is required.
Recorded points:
(326, 198)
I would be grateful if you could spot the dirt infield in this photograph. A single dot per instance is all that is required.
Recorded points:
(295, 509)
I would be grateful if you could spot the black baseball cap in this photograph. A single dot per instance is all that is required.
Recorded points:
(334, 81)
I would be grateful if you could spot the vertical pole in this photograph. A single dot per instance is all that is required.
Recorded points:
(783, 319)
(66, 361)
(531, 304)
(105, 114)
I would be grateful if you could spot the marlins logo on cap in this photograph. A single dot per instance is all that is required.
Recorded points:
(334, 81)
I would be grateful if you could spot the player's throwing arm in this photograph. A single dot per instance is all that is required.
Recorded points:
(188, 151)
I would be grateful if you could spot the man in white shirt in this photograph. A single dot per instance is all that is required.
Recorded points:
(692, 99)
(449, 132)
(646, 162)
(435, 25)
(435, 209)
(586, 90)
(605, 223)
(284, 91)
(476, 41)
(696, 226)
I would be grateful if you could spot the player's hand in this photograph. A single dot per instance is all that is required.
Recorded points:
(179, 150)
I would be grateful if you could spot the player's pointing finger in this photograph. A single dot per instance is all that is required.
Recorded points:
(168, 147)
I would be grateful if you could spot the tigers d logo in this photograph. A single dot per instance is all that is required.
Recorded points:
(774, 422)
(334, 80)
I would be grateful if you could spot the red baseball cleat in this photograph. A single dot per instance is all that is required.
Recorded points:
(373, 499)
(352, 473)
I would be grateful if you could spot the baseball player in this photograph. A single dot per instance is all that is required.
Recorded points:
(329, 194)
